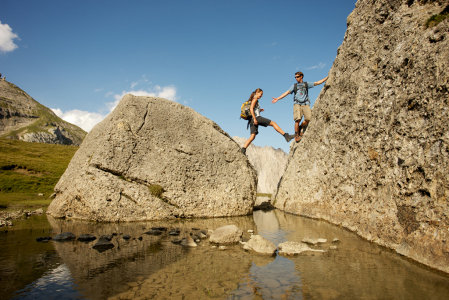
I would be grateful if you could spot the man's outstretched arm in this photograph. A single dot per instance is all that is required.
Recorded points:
(280, 97)
(321, 81)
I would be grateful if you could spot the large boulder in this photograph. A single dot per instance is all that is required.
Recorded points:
(375, 158)
(152, 158)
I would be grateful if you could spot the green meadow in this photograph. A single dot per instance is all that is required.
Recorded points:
(28, 169)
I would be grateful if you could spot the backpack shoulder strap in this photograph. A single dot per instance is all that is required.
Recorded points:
(307, 88)
(295, 89)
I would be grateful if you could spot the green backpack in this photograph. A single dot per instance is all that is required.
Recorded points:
(245, 112)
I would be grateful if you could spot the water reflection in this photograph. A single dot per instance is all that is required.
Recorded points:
(54, 284)
(155, 268)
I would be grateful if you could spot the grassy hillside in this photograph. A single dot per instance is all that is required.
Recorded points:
(27, 169)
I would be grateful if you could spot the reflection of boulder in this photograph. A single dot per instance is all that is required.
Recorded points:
(266, 221)
(154, 159)
(103, 274)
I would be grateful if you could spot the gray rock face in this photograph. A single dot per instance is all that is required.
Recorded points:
(228, 234)
(269, 164)
(260, 245)
(375, 158)
(150, 159)
(22, 117)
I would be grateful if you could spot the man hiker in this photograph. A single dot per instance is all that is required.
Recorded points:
(301, 106)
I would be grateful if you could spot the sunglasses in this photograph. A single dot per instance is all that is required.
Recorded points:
(298, 76)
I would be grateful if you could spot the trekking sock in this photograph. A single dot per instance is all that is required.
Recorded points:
(244, 151)
(287, 137)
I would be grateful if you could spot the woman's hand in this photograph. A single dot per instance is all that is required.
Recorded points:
(255, 121)
(261, 110)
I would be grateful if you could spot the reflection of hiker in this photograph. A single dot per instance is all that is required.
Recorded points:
(301, 100)
(256, 120)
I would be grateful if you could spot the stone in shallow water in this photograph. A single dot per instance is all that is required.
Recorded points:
(154, 232)
(176, 242)
(159, 228)
(291, 248)
(43, 239)
(226, 235)
(103, 244)
(313, 241)
(107, 236)
(66, 236)
(86, 238)
(260, 245)
(188, 242)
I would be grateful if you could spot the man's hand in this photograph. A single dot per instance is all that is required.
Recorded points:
(274, 100)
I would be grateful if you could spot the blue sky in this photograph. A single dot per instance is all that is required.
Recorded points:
(80, 57)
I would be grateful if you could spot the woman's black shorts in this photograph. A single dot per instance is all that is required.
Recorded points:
(260, 121)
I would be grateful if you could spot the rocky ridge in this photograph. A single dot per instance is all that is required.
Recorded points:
(138, 165)
(269, 164)
(375, 158)
(23, 118)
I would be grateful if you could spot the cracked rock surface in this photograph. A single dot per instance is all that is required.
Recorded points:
(375, 158)
(148, 144)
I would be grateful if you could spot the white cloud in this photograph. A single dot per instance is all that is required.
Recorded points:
(320, 65)
(98, 90)
(87, 120)
(109, 94)
(133, 84)
(7, 38)
(84, 119)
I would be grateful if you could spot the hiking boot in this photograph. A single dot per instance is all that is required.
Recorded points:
(243, 151)
(288, 137)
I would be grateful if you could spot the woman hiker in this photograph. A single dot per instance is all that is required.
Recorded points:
(257, 120)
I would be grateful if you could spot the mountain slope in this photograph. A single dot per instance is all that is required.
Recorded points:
(23, 118)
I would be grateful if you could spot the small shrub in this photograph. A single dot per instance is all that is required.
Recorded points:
(156, 190)
(436, 19)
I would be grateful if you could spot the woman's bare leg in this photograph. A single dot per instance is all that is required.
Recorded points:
(276, 127)
(249, 141)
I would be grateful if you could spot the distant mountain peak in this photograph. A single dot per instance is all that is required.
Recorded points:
(23, 118)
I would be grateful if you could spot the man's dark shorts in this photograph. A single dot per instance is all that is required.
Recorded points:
(260, 121)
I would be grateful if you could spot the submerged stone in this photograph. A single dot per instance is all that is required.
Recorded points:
(86, 237)
(66, 236)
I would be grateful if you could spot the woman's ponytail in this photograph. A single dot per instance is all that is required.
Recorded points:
(253, 94)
